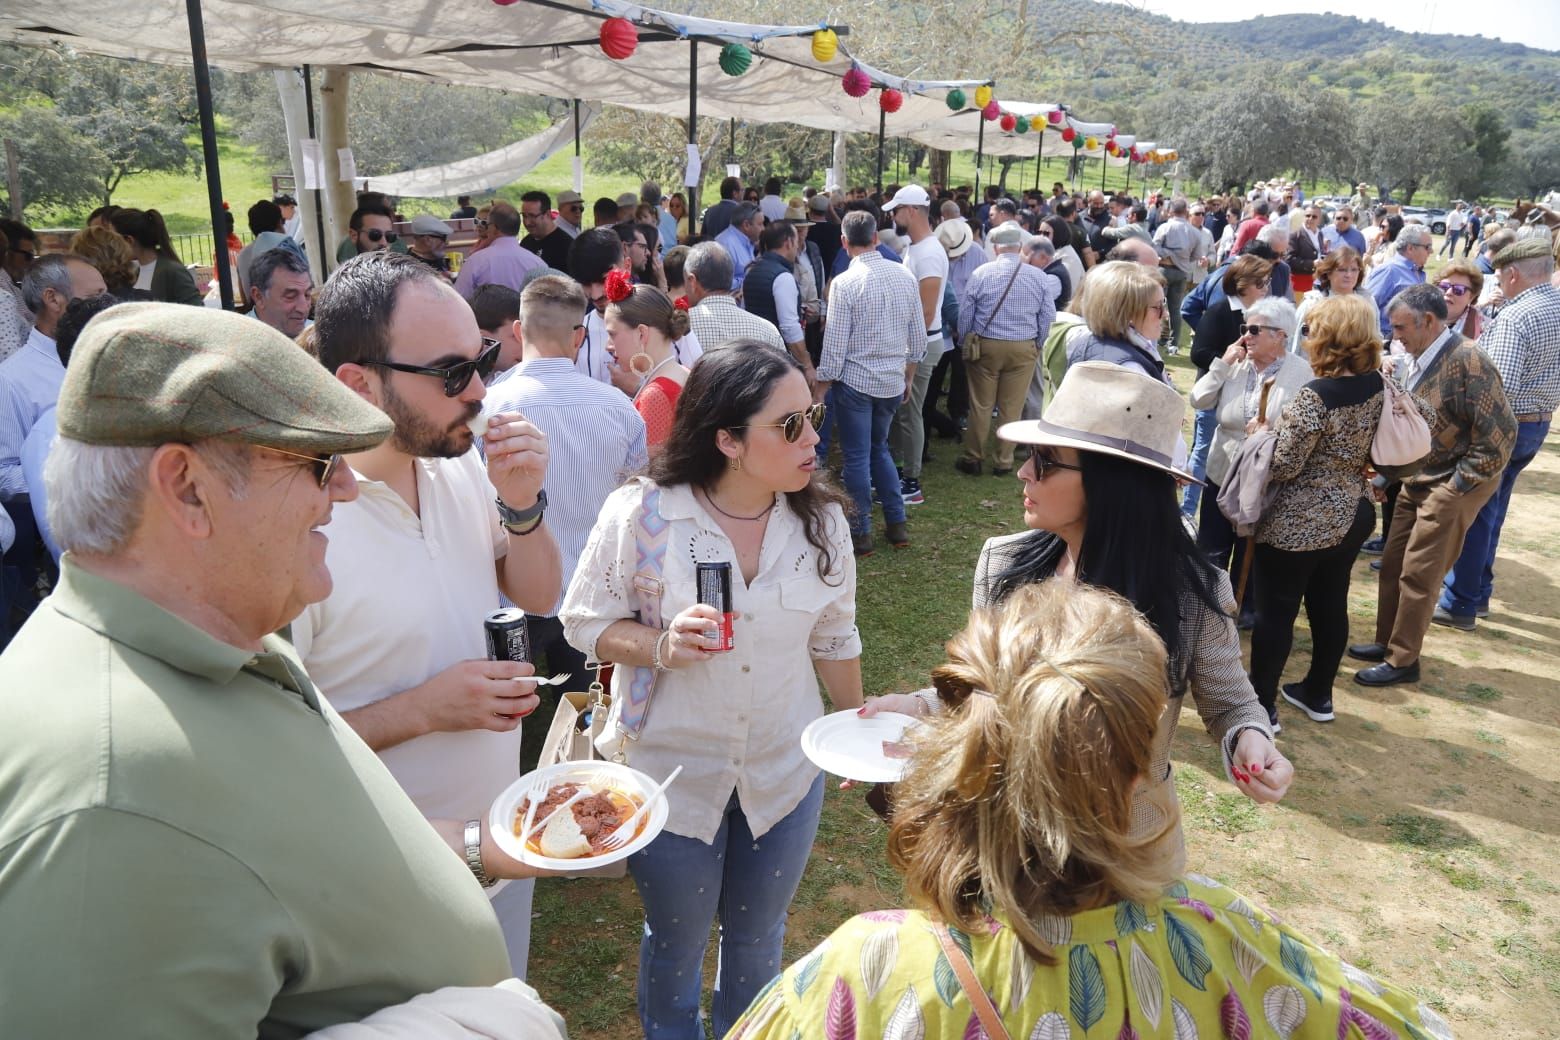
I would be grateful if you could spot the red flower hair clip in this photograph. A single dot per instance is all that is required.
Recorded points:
(619, 286)
(681, 303)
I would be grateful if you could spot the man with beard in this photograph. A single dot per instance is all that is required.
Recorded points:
(421, 556)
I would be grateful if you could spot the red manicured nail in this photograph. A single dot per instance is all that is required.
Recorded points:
(1255, 767)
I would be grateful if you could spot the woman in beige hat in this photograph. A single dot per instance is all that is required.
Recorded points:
(1100, 503)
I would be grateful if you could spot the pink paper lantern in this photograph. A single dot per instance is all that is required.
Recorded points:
(856, 82)
(992, 110)
(1054, 116)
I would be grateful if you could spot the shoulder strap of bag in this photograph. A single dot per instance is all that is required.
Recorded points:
(973, 991)
(651, 530)
(1001, 299)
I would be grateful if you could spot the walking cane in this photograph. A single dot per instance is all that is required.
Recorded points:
(1251, 539)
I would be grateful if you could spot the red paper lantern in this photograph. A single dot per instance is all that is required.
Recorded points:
(992, 110)
(1008, 121)
(619, 37)
(1112, 148)
(1068, 133)
(890, 100)
(856, 82)
(505, 3)
(1054, 116)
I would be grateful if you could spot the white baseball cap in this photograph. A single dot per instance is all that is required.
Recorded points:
(909, 195)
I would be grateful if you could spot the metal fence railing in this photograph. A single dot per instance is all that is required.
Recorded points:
(195, 248)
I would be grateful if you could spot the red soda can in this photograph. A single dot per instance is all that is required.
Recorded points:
(713, 582)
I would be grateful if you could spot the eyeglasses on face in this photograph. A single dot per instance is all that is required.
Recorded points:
(457, 376)
(482, 225)
(376, 235)
(1045, 463)
(1452, 287)
(791, 426)
(324, 468)
(1158, 308)
(1252, 330)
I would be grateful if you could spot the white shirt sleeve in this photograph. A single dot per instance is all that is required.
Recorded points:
(785, 293)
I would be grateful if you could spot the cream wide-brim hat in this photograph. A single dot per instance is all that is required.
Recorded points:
(1110, 410)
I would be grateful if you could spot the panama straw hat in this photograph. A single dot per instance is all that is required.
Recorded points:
(1111, 410)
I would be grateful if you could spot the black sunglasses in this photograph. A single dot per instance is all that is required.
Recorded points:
(1252, 330)
(1045, 463)
(324, 468)
(791, 426)
(456, 377)
(375, 235)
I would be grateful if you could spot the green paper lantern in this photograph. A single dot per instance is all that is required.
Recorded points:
(735, 59)
(956, 99)
(1022, 126)
(1077, 143)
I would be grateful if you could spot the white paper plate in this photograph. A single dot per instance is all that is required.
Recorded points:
(502, 815)
(850, 746)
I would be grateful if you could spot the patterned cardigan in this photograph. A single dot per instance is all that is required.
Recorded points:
(1474, 431)
(1209, 664)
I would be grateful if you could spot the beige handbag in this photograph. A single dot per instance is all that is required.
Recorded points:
(576, 723)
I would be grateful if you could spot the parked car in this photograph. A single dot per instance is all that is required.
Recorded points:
(1434, 219)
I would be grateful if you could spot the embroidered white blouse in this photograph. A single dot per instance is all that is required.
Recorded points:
(734, 721)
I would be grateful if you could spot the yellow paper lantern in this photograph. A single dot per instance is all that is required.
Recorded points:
(825, 45)
(1091, 143)
(982, 96)
(1173, 156)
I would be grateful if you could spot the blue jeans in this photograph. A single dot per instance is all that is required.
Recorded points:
(863, 424)
(1467, 588)
(1207, 423)
(1451, 242)
(683, 883)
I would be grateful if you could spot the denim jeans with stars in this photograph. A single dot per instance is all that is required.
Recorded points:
(685, 883)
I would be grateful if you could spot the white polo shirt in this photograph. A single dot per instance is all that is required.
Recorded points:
(409, 598)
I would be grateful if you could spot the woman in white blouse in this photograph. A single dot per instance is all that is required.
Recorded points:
(736, 484)
(1232, 386)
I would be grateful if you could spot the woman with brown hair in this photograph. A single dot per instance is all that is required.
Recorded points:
(104, 249)
(161, 272)
(1461, 283)
(1340, 273)
(642, 324)
(1035, 909)
(1321, 511)
(1247, 280)
(735, 483)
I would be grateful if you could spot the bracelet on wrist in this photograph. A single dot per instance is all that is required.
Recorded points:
(523, 521)
(656, 660)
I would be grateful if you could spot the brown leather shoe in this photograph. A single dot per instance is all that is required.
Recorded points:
(898, 536)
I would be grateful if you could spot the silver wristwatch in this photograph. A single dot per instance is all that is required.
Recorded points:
(474, 853)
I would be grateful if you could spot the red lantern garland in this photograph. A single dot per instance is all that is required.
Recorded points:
(1068, 133)
(856, 82)
(992, 110)
(619, 38)
(505, 3)
(890, 100)
(1008, 121)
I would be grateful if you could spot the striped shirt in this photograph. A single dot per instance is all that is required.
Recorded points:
(1027, 312)
(1524, 342)
(876, 327)
(30, 382)
(595, 441)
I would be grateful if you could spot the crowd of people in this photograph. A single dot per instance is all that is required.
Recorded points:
(247, 558)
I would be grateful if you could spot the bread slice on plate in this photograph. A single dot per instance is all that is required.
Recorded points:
(563, 839)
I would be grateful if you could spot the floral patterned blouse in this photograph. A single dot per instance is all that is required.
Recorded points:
(1202, 962)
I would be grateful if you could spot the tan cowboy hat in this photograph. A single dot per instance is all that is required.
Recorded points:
(1110, 410)
(956, 238)
(797, 215)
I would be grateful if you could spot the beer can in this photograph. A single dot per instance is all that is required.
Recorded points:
(508, 639)
(452, 261)
(713, 582)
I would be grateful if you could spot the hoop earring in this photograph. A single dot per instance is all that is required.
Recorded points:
(736, 464)
(633, 364)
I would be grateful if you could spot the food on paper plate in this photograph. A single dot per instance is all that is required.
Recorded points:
(898, 749)
(478, 424)
(583, 829)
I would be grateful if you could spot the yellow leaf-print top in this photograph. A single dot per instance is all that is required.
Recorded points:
(1201, 964)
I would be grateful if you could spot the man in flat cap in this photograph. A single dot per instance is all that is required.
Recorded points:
(420, 558)
(192, 842)
(1524, 342)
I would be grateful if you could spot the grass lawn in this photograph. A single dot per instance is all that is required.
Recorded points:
(1418, 840)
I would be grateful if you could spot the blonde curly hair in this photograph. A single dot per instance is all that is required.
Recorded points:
(1019, 796)
(106, 250)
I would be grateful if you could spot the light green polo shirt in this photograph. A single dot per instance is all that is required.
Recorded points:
(194, 844)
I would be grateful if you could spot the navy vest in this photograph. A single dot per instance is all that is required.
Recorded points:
(758, 288)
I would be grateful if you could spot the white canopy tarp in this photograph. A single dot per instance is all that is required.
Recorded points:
(491, 170)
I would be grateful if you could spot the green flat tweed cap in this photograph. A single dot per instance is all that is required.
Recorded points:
(145, 374)
(1523, 249)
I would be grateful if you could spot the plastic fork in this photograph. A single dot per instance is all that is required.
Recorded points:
(620, 837)
(556, 680)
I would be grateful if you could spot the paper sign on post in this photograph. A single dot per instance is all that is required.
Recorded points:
(347, 163)
(733, 170)
(578, 166)
(691, 176)
(313, 166)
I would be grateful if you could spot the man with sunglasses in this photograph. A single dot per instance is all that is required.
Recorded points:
(423, 554)
(1343, 232)
(571, 213)
(371, 229)
(184, 818)
(429, 235)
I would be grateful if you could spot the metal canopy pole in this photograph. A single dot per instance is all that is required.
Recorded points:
(693, 129)
(1039, 155)
(882, 123)
(1128, 189)
(1102, 173)
(208, 140)
(980, 148)
(327, 258)
(581, 187)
